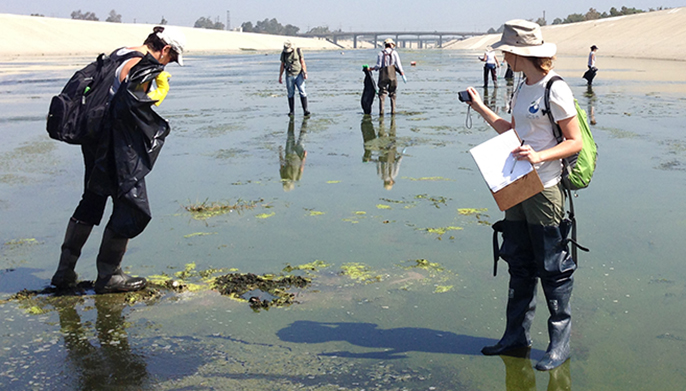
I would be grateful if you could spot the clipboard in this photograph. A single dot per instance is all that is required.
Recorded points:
(520, 190)
(510, 181)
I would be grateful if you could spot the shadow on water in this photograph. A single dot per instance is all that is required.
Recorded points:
(13, 280)
(394, 341)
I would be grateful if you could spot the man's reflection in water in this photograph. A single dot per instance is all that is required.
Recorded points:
(519, 374)
(388, 161)
(591, 97)
(292, 163)
(109, 364)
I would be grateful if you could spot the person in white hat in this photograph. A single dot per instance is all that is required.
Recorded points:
(534, 231)
(162, 46)
(293, 65)
(388, 63)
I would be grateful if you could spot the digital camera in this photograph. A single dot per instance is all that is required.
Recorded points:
(463, 96)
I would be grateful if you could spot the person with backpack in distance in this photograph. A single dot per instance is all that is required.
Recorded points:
(534, 232)
(293, 63)
(118, 154)
(388, 63)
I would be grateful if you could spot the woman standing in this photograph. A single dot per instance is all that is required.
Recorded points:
(490, 66)
(533, 244)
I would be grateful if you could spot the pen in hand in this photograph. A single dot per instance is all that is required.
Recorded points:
(515, 160)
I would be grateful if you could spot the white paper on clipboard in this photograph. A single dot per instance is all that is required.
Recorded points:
(495, 160)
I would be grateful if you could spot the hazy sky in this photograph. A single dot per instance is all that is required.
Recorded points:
(357, 15)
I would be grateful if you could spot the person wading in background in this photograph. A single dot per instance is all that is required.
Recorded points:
(388, 63)
(293, 62)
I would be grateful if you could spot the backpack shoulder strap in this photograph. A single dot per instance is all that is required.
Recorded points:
(546, 97)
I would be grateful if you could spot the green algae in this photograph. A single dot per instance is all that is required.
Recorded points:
(195, 234)
(443, 230)
(247, 288)
(206, 209)
(443, 288)
(471, 211)
(360, 273)
(314, 266)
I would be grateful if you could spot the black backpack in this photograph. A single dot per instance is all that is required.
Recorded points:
(76, 113)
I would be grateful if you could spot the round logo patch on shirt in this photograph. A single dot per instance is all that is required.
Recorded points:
(533, 109)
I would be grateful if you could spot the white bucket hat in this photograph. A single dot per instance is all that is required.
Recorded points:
(176, 39)
(524, 38)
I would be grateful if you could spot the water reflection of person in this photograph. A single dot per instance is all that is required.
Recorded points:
(292, 163)
(388, 164)
(490, 99)
(112, 364)
(368, 134)
(590, 95)
(519, 374)
(388, 161)
(509, 75)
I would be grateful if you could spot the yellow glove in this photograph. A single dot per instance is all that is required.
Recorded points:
(162, 81)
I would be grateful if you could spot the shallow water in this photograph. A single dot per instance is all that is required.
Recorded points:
(404, 328)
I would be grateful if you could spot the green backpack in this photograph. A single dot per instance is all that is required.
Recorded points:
(578, 168)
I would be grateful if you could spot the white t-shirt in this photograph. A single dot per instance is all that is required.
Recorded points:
(489, 57)
(533, 125)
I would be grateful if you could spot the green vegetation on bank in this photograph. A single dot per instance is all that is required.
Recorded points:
(592, 14)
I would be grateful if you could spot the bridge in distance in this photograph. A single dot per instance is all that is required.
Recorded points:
(402, 38)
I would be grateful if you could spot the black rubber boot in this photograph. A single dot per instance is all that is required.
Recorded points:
(521, 303)
(303, 101)
(559, 325)
(556, 267)
(291, 106)
(77, 233)
(111, 278)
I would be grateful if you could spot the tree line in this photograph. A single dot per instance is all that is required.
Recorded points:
(592, 14)
(266, 26)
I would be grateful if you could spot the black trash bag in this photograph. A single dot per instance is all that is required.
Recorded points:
(132, 139)
(369, 91)
(590, 74)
